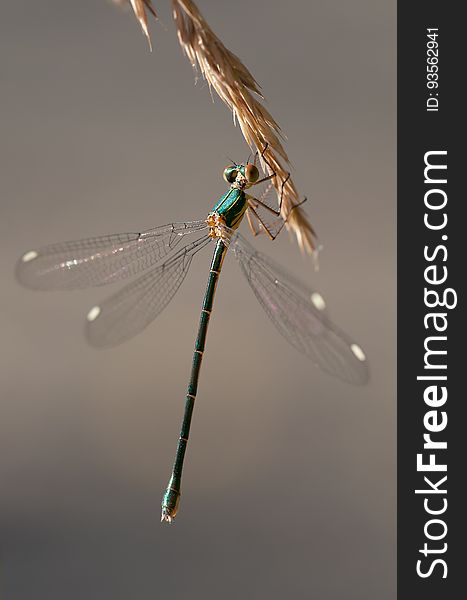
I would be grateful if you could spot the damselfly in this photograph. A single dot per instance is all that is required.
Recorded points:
(164, 255)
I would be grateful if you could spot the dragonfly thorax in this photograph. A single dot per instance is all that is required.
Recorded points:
(216, 224)
(229, 211)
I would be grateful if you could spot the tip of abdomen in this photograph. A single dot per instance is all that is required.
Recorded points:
(170, 503)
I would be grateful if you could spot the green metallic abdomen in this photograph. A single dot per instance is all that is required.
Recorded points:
(232, 207)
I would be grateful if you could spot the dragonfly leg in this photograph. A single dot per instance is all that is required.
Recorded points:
(273, 173)
(255, 230)
(269, 208)
(263, 225)
(264, 158)
(265, 178)
(253, 204)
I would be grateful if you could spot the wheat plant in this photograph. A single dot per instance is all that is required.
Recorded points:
(238, 89)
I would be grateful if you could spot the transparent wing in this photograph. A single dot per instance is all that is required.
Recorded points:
(266, 193)
(262, 214)
(299, 315)
(100, 260)
(130, 310)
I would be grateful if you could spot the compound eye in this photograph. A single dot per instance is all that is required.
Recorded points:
(251, 173)
(230, 174)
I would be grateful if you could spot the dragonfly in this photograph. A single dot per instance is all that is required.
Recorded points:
(162, 257)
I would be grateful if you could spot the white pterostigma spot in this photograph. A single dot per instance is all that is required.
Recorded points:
(358, 352)
(31, 255)
(318, 301)
(93, 313)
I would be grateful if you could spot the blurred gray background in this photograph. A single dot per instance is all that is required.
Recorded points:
(289, 486)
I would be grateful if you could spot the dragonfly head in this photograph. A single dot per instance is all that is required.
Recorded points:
(241, 176)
